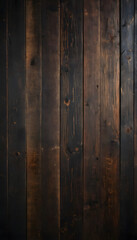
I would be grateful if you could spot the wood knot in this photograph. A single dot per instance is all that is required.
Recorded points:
(67, 102)
(129, 129)
(85, 12)
(112, 37)
(76, 149)
(87, 104)
(17, 153)
(128, 58)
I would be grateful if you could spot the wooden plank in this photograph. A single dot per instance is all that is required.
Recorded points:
(50, 119)
(92, 189)
(3, 120)
(71, 119)
(135, 120)
(16, 121)
(109, 25)
(33, 117)
(127, 154)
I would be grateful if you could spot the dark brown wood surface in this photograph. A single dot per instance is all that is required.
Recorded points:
(127, 116)
(68, 120)
(50, 174)
(109, 119)
(3, 121)
(92, 161)
(16, 121)
(33, 117)
(71, 119)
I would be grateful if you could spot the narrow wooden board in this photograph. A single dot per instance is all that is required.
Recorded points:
(3, 120)
(92, 176)
(71, 119)
(127, 144)
(33, 117)
(135, 121)
(16, 121)
(110, 119)
(50, 169)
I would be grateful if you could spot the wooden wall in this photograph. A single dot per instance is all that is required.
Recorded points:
(68, 119)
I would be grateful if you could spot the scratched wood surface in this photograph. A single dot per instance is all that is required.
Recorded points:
(68, 119)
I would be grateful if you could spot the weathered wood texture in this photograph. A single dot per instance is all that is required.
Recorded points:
(3, 120)
(16, 121)
(134, 52)
(71, 119)
(109, 119)
(68, 119)
(92, 161)
(50, 119)
(33, 117)
(127, 115)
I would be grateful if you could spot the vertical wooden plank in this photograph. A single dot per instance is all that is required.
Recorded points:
(135, 120)
(3, 120)
(33, 117)
(109, 25)
(50, 119)
(92, 189)
(71, 119)
(16, 123)
(127, 154)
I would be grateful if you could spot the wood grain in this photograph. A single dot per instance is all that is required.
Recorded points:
(68, 119)
(33, 117)
(127, 154)
(92, 177)
(109, 25)
(3, 120)
(135, 120)
(71, 119)
(16, 121)
(50, 174)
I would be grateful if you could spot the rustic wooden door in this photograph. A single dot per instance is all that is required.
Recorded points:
(68, 119)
